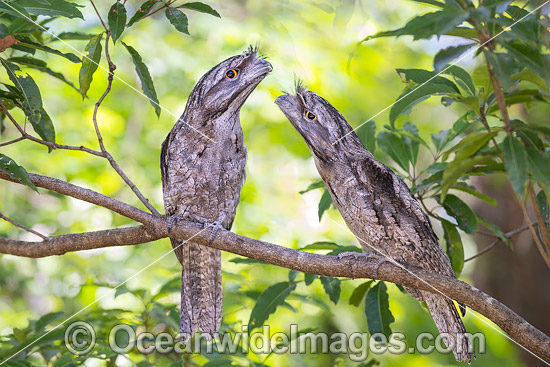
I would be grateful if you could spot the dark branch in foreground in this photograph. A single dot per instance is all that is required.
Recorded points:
(156, 227)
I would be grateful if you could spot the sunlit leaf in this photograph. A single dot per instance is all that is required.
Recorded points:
(145, 77)
(89, 64)
(8, 165)
(117, 20)
(377, 310)
(271, 298)
(320, 245)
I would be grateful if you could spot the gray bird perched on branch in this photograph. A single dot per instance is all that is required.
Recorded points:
(375, 203)
(203, 169)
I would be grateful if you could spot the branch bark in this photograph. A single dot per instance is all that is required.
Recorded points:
(156, 227)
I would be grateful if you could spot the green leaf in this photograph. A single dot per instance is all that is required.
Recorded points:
(538, 164)
(462, 77)
(324, 204)
(8, 165)
(32, 103)
(309, 278)
(145, 77)
(14, 9)
(542, 202)
(200, 7)
(332, 288)
(117, 20)
(392, 145)
(470, 145)
(315, 185)
(143, 10)
(530, 56)
(440, 139)
(431, 2)
(342, 249)
(359, 292)
(45, 320)
(52, 8)
(177, 19)
(69, 56)
(411, 141)
(446, 55)
(420, 76)
(459, 210)
(271, 298)
(40, 65)
(292, 274)
(496, 230)
(367, 134)
(455, 251)
(377, 310)
(72, 36)
(529, 75)
(472, 191)
(515, 158)
(414, 95)
(89, 64)
(320, 245)
(433, 23)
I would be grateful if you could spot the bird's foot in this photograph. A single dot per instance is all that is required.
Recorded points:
(351, 255)
(173, 219)
(380, 259)
(217, 225)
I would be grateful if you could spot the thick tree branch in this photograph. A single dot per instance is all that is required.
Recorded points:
(156, 227)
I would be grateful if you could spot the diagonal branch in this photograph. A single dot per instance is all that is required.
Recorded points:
(156, 227)
(24, 227)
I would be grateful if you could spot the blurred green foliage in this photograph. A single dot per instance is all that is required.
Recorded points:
(436, 146)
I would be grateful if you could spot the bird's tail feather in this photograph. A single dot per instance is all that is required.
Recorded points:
(201, 290)
(449, 324)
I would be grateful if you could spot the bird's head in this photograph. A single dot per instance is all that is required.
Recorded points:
(320, 124)
(227, 86)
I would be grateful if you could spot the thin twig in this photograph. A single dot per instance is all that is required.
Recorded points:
(104, 151)
(495, 242)
(99, 16)
(28, 136)
(22, 226)
(12, 141)
(168, 3)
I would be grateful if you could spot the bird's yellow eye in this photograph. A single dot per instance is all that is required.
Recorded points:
(310, 115)
(231, 74)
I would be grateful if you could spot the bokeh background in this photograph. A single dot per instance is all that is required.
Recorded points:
(313, 40)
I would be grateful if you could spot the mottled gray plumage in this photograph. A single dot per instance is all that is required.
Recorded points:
(375, 203)
(203, 169)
